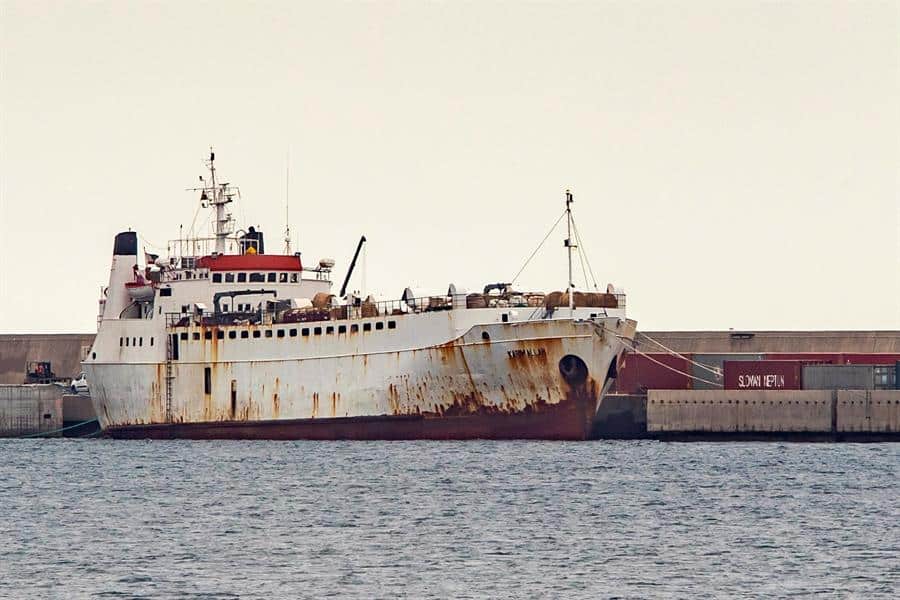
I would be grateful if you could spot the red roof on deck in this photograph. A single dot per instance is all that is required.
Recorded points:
(251, 262)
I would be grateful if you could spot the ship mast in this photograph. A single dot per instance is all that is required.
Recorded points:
(219, 200)
(569, 247)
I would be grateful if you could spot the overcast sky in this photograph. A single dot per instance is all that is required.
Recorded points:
(734, 164)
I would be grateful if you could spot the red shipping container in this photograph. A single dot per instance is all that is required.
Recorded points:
(639, 373)
(871, 359)
(763, 374)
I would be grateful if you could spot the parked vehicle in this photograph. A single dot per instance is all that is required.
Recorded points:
(79, 385)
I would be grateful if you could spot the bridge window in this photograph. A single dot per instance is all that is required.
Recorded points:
(165, 291)
(282, 278)
(242, 277)
(257, 277)
(295, 277)
(127, 341)
(151, 341)
(272, 277)
(121, 342)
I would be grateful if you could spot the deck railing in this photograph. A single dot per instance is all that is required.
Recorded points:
(361, 310)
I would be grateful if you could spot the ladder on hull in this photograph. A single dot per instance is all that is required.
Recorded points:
(171, 354)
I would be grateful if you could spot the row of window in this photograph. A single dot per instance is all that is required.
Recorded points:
(256, 277)
(138, 341)
(304, 331)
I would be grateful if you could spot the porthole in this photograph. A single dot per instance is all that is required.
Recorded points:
(245, 334)
(392, 324)
(354, 328)
(232, 335)
(207, 335)
(305, 332)
(317, 331)
(268, 333)
(195, 336)
(256, 333)
(342, 329)
(379, 325)
(281, 333)
(293, 333)
(367, 327)
(329, 330)
(220, 335)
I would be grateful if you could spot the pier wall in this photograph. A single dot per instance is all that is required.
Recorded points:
(876, 411)
(835, 413)
(31, 410)
(724, 411)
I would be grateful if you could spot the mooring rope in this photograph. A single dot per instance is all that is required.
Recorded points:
(45, 433)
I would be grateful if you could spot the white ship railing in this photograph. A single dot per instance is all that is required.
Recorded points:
(359, 310)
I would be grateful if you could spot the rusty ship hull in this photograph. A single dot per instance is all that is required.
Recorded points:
(538, 379)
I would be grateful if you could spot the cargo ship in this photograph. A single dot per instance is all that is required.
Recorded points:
(221, 340)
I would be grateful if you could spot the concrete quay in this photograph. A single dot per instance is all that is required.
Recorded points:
(810, 415)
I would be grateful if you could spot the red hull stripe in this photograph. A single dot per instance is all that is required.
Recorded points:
(564, 422)
(251, 262)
